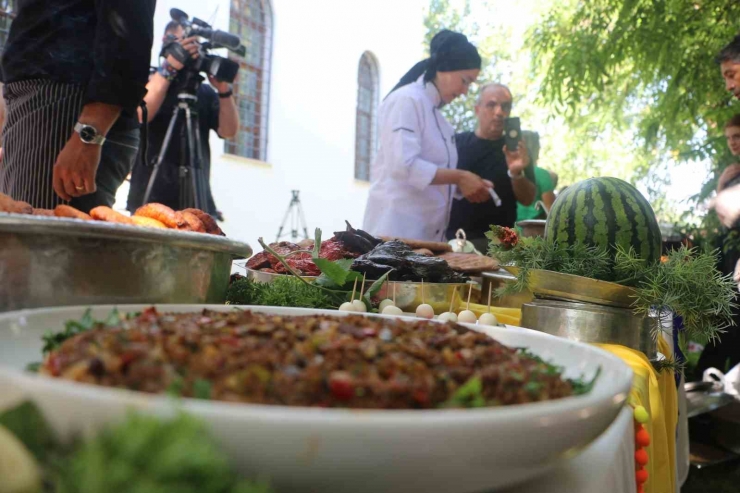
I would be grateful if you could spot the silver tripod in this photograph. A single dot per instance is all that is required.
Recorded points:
(296, 217)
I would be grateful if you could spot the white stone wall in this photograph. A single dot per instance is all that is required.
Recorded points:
(316, 50)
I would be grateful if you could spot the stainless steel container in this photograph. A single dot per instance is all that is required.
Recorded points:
(532, 227)
(498, 279)
(47, 261)
(587, 322)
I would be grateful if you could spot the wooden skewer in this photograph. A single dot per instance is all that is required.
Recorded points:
(362, 290)
(489, 298)
(394, 294)
(422, 291)
(470, 291)
(452, 301)
(354, 289)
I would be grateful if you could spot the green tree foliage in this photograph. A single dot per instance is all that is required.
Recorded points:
(646, 65)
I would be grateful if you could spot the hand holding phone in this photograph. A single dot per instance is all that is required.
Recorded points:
(512, 133)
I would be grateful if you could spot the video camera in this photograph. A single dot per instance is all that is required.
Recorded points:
(220, 68)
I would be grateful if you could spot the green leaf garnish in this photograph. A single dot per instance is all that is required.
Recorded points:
(468, 395)
(202, 389)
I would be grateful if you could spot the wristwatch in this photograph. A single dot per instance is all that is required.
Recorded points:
(89, 134)
(515, 177)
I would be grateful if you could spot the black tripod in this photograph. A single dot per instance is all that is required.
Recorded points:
(295, 214)
(191, 172)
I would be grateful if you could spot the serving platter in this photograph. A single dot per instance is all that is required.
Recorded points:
(342, 450)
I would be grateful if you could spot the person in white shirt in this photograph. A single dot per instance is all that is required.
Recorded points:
(414, 176)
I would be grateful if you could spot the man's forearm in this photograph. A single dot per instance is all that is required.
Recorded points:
(524, 190)
(228, 118)
(156, 92)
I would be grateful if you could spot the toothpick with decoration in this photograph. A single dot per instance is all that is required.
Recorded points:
(349, 306)
(466, 316)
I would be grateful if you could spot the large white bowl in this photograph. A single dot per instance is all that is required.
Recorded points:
(340, 450)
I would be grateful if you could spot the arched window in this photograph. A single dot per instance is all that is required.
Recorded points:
(7, 13)
(251, 20)
(367, 111)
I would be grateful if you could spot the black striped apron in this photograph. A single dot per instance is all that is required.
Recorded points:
(40, 119)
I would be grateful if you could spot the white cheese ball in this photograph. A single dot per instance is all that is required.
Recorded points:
(347, 307)
(467, 317)
(359, 306)
(447, 317)
(384, 304)
(425, 311)
(392, 310)
(488, 319)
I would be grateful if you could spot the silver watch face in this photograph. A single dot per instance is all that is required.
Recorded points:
(88, 134)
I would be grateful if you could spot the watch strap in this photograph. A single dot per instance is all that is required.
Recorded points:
(515, 177)
(227, 94)
(99, 139)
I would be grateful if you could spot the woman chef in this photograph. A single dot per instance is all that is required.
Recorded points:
(414, 175)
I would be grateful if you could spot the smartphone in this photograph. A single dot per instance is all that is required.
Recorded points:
(512, 133)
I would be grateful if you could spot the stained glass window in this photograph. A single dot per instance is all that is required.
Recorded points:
(251, 20)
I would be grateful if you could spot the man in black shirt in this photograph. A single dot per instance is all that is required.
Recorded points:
(216, 111)
(74, 73)
(483, 152)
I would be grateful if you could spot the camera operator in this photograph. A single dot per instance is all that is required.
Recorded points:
(216, 111)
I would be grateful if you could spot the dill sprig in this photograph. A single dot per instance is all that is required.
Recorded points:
(686, 283)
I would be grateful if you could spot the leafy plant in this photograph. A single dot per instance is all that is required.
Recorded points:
(141, 454)
(686, 283)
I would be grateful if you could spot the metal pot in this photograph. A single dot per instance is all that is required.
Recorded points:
(532, 227)
(49, 261)
(587, 322)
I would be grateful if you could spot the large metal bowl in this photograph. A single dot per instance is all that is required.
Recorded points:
(532, 227)
(49, 261)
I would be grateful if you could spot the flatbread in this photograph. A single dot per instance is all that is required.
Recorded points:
(435, 246)
(424, 251)
(470, 263)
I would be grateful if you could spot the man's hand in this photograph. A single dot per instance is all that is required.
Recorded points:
(191, 46)
(727, 205)
(517, 160)
(474, 188)
(220, 86)
(75, 168)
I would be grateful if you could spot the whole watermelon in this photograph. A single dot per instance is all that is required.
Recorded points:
(607, 212)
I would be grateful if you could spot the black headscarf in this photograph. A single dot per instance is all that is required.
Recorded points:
(449, 52)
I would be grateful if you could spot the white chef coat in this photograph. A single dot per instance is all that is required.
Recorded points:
(415, 141)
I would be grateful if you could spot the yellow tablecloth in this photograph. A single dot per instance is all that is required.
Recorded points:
(657, 394)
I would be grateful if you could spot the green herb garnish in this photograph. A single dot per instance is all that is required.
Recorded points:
(52, 340)
(687, 284)
(202, 389)
(580, 386)
(468, 395)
